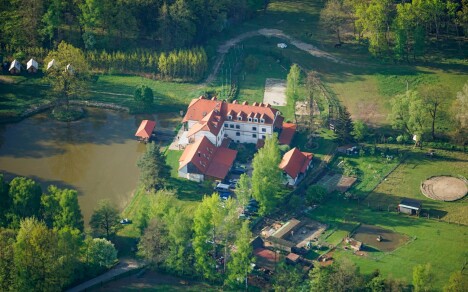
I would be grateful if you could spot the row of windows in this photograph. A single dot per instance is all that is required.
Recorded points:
(253, 135)
(255, 120)
(238, 127)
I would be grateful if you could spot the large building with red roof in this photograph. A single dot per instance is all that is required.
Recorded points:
(209, 122)
(295, 165)
(241, 122)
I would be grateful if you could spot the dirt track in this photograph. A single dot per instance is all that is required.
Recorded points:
(312, 50)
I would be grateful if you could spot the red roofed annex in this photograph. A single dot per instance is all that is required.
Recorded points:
(295, 165)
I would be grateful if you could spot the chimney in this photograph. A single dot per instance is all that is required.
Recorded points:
(214, 98)
(245, 103)
(235, 102)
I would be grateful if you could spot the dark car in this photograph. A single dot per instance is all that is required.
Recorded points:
(238, 170)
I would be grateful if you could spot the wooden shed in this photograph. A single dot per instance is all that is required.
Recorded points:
(32, 66)
(409, 206)
(15, 67)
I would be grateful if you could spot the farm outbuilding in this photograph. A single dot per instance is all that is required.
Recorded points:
(409, 206)
(15, 67)
(32, 66)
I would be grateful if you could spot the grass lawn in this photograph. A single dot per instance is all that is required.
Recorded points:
(406, 179)
(441, 244)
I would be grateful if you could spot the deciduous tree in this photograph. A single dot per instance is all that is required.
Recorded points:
(154, 243)
(266, 175)
(333, 17)
(239, 266)
(105, 219)
(101, 252)
(422, 278)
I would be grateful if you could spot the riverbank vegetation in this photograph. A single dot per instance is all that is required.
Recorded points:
(42, 239)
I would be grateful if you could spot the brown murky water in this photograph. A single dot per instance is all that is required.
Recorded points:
(96, 155)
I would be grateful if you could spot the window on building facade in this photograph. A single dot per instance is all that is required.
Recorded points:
(254, 128)
(254, 135)
(226, 125)
(262, 121)
(237, 126)
(250, 119)
(256, 120)
(239, 118)
(230, 117)
(263, 137)
(231, 126)
(237, 133)
(263, 129)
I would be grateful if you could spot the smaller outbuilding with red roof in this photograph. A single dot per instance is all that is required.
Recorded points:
(145, 130)
(295, 165)
(203, 159)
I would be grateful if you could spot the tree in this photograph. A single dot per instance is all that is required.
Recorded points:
(60, 208)
(25, 195)
(346, 276)
(360, 130)
(101, 252)
(239, 266)
(38, 259)
(69, 78)
(434, 98)
(292, 84)
(105, 220)
(409, 113)
(266, 175)
(344, 126)
(287, 278)
(315, 194)
(333, 17)
(206, 222)
(320, 279)
(180, 252)
(154, 243)
(456, 283)
(7, 265)
(5, 199)
(243, 190)
(422, 278)
(460, 115)
(153, 168)
(144, 94)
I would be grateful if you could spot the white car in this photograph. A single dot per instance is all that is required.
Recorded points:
(282, 45)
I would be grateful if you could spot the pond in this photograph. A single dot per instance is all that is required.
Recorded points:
(96, 155)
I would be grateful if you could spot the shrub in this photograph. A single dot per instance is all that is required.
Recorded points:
(251, 63)
(315, 194)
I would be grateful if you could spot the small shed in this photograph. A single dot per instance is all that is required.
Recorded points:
(15, 67)
(51, 64)
(409, 206)
(32, 66)
(354, 244)
(145, 130)
(292, 258)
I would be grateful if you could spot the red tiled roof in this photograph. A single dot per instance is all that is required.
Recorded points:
(145, 129)
(200, 107)
(212, 123)
(287, 133)
(295, 162)
(207, 158)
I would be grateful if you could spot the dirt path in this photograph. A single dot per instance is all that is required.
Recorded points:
(310, 49)
(125, 265)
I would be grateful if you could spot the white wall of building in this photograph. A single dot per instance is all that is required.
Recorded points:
(190, 176)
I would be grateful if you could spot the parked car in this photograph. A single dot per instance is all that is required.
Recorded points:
(125, 221)
(224, 195)
(238, 170)
(222, 187)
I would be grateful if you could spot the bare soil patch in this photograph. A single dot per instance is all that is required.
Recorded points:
(275, 92)
(444, 188)
(336, 182)
(390, 241)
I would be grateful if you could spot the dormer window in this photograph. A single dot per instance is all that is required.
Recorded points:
(262, 121)
(230, 117)
(250, 119)
(256, 120)
(239, 118)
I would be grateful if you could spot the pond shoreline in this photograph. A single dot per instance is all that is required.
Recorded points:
(38, 109)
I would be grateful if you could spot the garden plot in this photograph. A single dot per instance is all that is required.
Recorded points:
(275, 92)
(389, 240)
(336, 182)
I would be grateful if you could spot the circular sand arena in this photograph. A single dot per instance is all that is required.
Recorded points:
(444, 188)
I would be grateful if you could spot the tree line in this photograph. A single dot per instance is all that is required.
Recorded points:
(398, 30)
(109, 24)
(42, 241)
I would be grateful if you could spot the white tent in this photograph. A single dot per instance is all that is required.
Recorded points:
(15, 67)
(69, 68)
(32, 65)
(51, 64)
